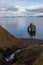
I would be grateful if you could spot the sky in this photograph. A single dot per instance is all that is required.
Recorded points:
(21, 7)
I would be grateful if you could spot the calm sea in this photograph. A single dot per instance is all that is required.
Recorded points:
(18, 26)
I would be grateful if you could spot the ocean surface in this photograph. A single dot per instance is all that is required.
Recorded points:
(18, 26)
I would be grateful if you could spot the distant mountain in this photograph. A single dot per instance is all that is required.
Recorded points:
(17, 16)
(8, 40)
(39, 16)
(12, 16)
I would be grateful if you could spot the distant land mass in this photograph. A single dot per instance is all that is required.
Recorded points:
(13, 16)
(21, 16)
(39, 16)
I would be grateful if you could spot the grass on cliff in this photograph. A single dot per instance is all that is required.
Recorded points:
(8, 40)
(30, 55)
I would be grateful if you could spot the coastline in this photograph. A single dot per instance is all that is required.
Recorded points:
(30, 41)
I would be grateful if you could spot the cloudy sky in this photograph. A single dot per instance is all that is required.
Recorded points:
(21, 7)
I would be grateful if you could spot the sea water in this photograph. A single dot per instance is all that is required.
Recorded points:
(18, 25)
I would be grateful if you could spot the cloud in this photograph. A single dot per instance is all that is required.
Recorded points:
(40, 10)
(19, 7)
(15, 9)
(35, 6)
(36, 9)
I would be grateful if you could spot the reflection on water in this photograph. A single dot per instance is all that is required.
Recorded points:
(18, 26)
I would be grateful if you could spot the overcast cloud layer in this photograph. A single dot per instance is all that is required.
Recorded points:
(20, 7)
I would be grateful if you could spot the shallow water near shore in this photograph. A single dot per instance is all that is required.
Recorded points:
(18, 26)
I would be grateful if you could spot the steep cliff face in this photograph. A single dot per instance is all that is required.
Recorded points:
(8, 40)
